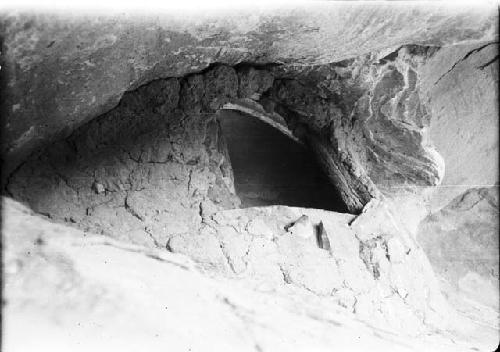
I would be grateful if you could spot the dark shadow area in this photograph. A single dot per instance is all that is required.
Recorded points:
(271, 169)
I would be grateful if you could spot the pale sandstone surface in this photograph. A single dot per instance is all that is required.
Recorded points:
(371, 267)
(67, 289)
(460, 233)
(113, 124)
(461, 241)
(461, 85)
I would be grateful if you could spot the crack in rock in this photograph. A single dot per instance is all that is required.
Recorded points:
(464, 58)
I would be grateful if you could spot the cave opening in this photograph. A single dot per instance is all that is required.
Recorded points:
(272, 169)
(173, 152)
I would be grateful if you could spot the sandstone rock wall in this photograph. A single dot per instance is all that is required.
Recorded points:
(58, 80)
(60, 71)
(461, 241)
(460, 85)
(460, 234)
(384, 118)
(363, 118)
(366, 118)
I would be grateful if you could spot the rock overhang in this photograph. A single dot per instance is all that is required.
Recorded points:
(317, 106)
(54, 64)
(366, 108)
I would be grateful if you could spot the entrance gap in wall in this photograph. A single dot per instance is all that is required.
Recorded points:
(272, 169)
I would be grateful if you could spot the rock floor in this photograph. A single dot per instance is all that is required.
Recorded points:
(69, 290)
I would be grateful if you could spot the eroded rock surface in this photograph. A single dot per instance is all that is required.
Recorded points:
(389, 122)
(461, 87)
(63, 286)
(61, 71)
(365, 119)
(371, 266)
(461, 241)
(149, 168)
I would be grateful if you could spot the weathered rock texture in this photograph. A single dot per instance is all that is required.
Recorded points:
(147, 169)
(461, 241)
(370, 266)
(61, 71)
(461, 86)
(69, 290)
(390, 99)
(365, 119)
(155, 164)
(460, 235)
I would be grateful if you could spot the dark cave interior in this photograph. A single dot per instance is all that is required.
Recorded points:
(272, 169)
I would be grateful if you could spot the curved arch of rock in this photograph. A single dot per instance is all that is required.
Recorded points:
(367, 130)
(357, 94)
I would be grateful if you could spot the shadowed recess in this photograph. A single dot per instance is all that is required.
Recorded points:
(271, 169)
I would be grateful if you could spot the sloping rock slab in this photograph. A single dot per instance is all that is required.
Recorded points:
(371, 266)
(66, 290)
(461, 241)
